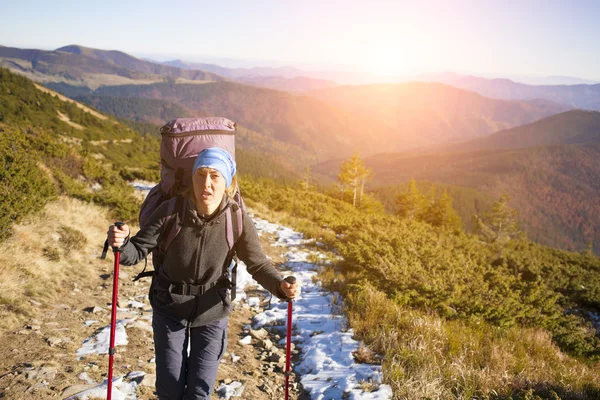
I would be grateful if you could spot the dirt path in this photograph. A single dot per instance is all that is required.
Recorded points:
(38, 360)
(64, 98)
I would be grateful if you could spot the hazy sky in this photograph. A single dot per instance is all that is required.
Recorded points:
(509, 37)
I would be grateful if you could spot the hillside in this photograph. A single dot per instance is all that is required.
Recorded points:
(51, 145)
(466, 201)
(148, 115)
(571, 127)
(374, 124)
(91, 67)
(297, 84)
(423, 114)
(457, 317)
(316, 128)
(576, 96)
(153, 111)
(556, 188)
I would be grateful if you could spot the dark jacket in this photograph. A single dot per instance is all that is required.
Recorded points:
(197, 256)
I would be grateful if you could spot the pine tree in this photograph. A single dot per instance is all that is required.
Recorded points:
(441, 213)
(499, 224)
(411, 203)
(353, 176)
(305, 182)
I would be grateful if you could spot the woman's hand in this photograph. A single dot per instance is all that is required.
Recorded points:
(291, 290)
(117, 236)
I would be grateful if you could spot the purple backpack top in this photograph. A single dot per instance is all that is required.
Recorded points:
(182, 140)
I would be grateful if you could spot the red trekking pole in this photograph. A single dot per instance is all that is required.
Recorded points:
(113, 315)
(288, 345)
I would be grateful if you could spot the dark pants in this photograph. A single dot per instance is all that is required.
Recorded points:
(179, 376)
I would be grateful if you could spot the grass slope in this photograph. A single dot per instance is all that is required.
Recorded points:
(453, 316)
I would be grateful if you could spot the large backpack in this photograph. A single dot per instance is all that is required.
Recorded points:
(182, 140)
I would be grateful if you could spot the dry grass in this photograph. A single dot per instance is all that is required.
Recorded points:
(66, 99)
(47, 254)
(189, 81)
(428, 357)
(94, 81)
(65, 118)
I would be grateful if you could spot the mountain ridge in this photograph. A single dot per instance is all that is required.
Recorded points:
(569, 127)
(74, 62)
(585, 96)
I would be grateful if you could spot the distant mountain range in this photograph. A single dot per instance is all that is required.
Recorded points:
(337, 122)
(571, 127)
(423, 114)
(284, 78)
(78, 64)
(576, 96)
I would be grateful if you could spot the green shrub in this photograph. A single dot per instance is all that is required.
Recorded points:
(24, 187)
(71, 239)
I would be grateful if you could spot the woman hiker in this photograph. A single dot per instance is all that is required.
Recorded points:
(196, 259)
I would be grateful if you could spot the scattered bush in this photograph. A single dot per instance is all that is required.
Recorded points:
(71, 239)
(51, 253)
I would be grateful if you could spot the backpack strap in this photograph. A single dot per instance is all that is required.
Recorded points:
(172, 224)
(234, 228)
(172, 228)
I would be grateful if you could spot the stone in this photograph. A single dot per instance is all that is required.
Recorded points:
(47, 373)
(35, 303)
(73, 390)
(36, 387)
(31, 374)
(149, 380)
(126, 315)
(246, 340)
(33, 327)
(265, 344)
(53, 341)
(260, 334)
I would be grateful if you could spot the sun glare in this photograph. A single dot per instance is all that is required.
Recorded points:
(386, 62)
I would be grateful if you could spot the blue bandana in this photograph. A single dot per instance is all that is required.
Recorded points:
(218, 159)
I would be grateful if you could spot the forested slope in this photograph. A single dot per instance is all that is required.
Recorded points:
(453, 315)
(51, 147)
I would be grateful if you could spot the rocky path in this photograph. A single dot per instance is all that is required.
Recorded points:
(46, 357)
(61, 352)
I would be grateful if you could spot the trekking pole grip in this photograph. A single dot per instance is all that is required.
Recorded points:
(291, 280)
(118, 224)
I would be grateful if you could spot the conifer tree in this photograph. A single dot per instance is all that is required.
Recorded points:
(499, 224)
(411, 203)
(306, 179)
(441, 213)
(353, 176)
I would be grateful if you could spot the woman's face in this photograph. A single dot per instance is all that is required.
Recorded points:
(209, 188)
